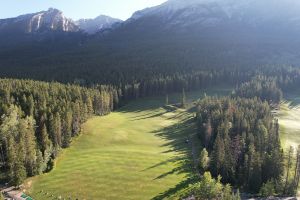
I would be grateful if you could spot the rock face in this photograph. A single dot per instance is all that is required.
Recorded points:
(54, 20)
(211, 13)
(100, 23)
(50, 20)
(189, 34)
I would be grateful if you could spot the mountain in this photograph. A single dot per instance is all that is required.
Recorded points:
(50, 20)
(178, 35)
(214, 12)
(101, 22)
(213, 33)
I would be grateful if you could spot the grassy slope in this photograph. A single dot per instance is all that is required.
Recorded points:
(138, 152)
(289, 120)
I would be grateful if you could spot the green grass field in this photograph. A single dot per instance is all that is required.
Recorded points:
(138, 152)
(289, 120)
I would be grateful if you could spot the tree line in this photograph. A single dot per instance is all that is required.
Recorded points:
(52, 113)
(240, 137)
(242, 140)
(265, 88)
(38, 119)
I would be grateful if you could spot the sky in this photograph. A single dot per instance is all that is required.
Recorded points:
(76, 9)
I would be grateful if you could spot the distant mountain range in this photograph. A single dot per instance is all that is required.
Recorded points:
(181, 34)
(100, 23)
(54, 20)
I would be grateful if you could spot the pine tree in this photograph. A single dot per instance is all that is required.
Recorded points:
(183, 99)
(58, 129)
(228, 169)
(288, 168)
(52, 130)
(76, 121)
(204, 160)
(167, 99)
(45, 142)
(208, 133)
(218, 156)
(297, 168)
(67, 129)
(28, 128)
(89, 104)
(255, 180)
(19, 174)
(55, 130)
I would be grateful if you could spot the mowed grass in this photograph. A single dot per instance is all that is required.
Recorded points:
(138, 152)
(289, 120)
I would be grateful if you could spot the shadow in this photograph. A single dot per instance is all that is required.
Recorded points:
(292, 99)
(175, 159)
(149, 116)
(178, 137)
(142, 105)
(178, 134)
(167, 109)
(180, 186)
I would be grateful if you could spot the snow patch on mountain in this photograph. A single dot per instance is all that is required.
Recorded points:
(97, 24)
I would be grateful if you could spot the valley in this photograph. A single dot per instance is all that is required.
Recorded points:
(137, 152)
(183, 99)
(289, 118)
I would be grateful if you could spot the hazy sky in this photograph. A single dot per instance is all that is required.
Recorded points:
(76, 9)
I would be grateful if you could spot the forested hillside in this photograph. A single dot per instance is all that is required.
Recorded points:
(172, 38)
(40, 118)
(176, 47)
(52, 113)
(242, 139)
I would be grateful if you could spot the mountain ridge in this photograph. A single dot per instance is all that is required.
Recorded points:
(50, 20)
(54, 20)
(203, 36)
(97, 24)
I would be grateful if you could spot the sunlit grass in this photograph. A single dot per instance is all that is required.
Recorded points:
(138, 152)
(289, 120)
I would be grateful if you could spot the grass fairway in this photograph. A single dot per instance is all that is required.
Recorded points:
(138, 152)
(289, 120)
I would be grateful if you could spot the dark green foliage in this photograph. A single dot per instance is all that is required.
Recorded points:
(183, 99)
(268, 189)
(203, 160)
(242, 140)
(262, 87)
(210, 188)
(40, 118)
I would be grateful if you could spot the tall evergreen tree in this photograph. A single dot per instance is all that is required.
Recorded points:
(183, 98)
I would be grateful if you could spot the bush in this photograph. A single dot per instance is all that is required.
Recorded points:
(210, 188)
(268, 189)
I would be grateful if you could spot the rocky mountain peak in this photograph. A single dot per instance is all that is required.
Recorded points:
(50, 20)
(97, 24)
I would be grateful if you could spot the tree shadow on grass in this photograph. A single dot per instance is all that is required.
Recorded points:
(177, 138)
(179, 187)
(171, 160)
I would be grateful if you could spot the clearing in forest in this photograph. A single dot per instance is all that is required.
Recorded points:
(138, 152)
(289, 120)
